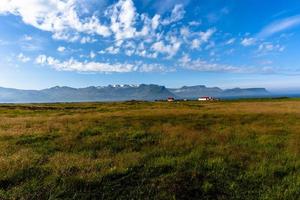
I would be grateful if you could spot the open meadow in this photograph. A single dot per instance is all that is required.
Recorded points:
(247, 149)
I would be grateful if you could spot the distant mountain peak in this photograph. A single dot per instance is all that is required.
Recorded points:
(121, 86)
(122, 92)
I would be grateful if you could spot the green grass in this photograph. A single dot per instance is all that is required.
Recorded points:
(245, 149)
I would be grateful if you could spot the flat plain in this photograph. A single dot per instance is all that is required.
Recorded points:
(246, 149)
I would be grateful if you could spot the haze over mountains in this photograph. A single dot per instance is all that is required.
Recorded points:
(122, 93)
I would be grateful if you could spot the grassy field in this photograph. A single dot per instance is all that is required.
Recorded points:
(151, 150)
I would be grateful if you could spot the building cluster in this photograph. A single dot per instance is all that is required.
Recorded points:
(205, 98)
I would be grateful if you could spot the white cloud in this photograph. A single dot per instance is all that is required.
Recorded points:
(201, 65)
(129, 52)
(122, 17)
(23, 58)
(87, 39)
(280, 26)
(170, 49)
(41, 59)
(185, 32)
(230, 41)
(206, 66)
(155, 22)
(57, 16)
(92, 55)
(176, 15)
(196, 44)
(112, 50)
(130, 45)
(69, 20)
(203, 37)
(195, 23)
(185, 59)
(70, 37)
(126, 31)
(269, 47)
(27, 38)
(248, 42)
(144, 53)
(61, 49)
(74, 65)
(153, 68)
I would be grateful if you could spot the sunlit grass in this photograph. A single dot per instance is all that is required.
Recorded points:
(141, 150)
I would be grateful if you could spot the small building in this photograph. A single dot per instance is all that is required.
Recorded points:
(170, 99)
(205, 99)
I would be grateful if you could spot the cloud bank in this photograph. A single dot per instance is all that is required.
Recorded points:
(119, 32)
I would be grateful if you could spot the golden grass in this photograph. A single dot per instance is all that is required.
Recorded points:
(215, 144)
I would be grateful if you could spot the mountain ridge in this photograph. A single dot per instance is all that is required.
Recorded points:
(124, 92)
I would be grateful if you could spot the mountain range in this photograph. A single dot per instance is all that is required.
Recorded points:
(122, 93)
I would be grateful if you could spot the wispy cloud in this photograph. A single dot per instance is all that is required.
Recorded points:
(22, 58)
(230, 41)
(61, 49)
(176, 15)
(75, 65)
(101, 67)
(215, 16)
(206, 66)
(248, 41)
(167, 5)
(280, 26)
(267, 47)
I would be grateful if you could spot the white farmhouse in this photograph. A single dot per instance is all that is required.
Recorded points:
(205, 99)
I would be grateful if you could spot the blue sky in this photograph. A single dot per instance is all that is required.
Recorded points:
(79, 43)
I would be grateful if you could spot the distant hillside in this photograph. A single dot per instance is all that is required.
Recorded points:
(122, 93)
(68, 94)
(196, 91)
(245, 92)
(15, 95)
(201, 90)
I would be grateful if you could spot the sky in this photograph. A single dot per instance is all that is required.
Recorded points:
(80, 43)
